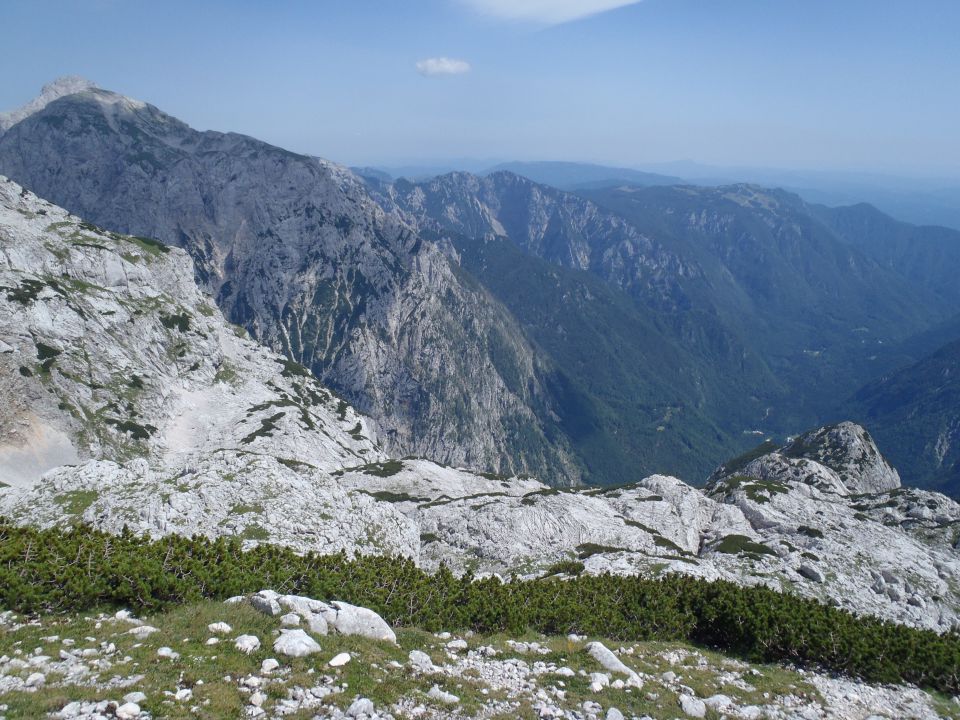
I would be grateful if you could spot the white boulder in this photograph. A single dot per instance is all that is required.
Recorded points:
(247, 643)
(295, 643)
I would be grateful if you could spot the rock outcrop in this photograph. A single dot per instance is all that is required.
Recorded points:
(840, 458)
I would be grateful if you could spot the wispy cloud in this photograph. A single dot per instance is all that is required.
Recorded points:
(549, 12)
(442, 66)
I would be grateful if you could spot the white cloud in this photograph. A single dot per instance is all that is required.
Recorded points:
(550, 12)
(442, 66)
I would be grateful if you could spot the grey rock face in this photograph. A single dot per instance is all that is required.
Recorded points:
(848, 450)
(295, 250)
(560, 227)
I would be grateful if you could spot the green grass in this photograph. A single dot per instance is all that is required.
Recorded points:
(212, 672)
(226, 373)
(381, 469)
(255, 532)
(149, 245)
(180, 321)
(241, 509)
(394, 497)
(77, 568)
(75, 502)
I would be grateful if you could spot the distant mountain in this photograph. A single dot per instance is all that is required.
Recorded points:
(772, 314)
(575, 176)
(915, 415)
(50, 92)
(926, 255)
(821, 310)
(295, 250)
(922, 201)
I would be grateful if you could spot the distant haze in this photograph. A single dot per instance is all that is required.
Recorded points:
(802, 84)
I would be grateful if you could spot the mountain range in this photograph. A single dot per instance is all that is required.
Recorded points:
(503, 324)
(131, 405)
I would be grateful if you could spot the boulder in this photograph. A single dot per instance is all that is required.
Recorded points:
(247, 643)
(339, 660)
(811, 573)
(295, 643)
(128, 711)
(360, 707)
(421, 661)
(694, 707)
(435, 693)
(266, 601)
(349, 619)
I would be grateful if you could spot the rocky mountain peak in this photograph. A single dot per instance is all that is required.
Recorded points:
(55, 90)
(841, 459)
(850, 451)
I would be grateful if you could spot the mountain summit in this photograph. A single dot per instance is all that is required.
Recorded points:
(60, 87)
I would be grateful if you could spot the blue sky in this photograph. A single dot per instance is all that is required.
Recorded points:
(811, 84)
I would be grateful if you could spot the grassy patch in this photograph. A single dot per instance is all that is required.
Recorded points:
(266, 429)
(382, 469)
(76, 502)
(133, 429)
(588, 550)
(226, 373)
(149, 245)
(566, 567)
(394, 497)
(242, 509)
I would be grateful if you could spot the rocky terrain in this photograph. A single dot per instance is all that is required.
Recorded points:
(273, 656)
(131, 403)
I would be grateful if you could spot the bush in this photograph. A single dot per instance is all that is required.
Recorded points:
(79, 568)
(566, 567)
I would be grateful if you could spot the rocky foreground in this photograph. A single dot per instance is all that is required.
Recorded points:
(130, 402)
(272, 656)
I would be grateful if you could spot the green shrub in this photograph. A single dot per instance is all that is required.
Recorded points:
(741, 544)
(181, 322)
(78, 569)
(566, 567)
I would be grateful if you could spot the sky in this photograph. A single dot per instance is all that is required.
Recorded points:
(857, 85)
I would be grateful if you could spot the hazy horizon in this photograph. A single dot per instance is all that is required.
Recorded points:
(799, 86)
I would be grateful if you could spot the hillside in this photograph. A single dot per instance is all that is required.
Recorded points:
(915, 414)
